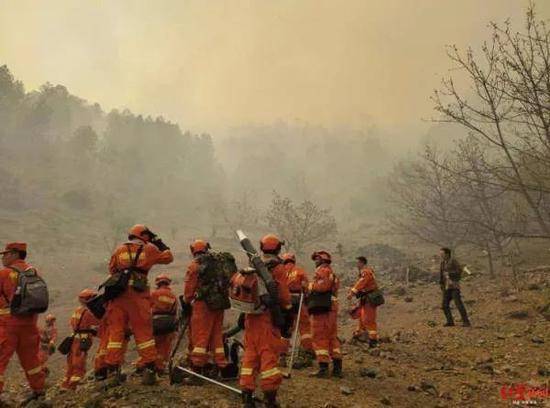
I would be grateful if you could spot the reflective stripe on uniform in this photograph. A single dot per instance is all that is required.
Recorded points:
(4, 312)
(199, 350)
(146, 344)
(270, 373)
(246, 371)
(321, 352)
(35, 370)
(337, 350)
(75, 379)
(76, 316)
(114, 345)
(219, 350)
(81, 335)
(372, 331)
(306, 336)
(166, 299)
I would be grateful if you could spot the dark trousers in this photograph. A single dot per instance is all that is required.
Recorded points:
(453, 294)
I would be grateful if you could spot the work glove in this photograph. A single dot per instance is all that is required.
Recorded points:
(186, 308)
(159, 244)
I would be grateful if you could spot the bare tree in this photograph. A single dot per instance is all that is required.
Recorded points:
(300, 224)
(422, 195)
(507, 108)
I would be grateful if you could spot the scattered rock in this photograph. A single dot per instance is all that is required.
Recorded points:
(390, 373)
(385, 401)
(534, 286)
(432, 323)
(537, 340)
(346, 390)
(428, 387)
(518, 314)
(408, 299)
(375, 352)
(368, 372)
(412, 387)
(545, 311)
(543, 371)
(510, 299)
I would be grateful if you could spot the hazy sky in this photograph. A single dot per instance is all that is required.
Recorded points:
(210, 64)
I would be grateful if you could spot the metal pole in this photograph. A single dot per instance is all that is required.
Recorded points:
(202, 377)
(295, 337)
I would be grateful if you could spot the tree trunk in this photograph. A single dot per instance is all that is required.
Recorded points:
(490, 261)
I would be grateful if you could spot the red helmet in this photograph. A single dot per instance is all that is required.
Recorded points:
(86, 294)
(199, 246)
(139, 231)
(163, 278)
(271, 243)
(288, 257)
(323, 255)
(50, 318)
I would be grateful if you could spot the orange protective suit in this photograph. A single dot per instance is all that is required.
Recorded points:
(324, 326)
(367, 312)
(18, 334)
(297, 283)
(84, 325)
(206, 326)
(133, 308)
(262, 340)
(163, 301)
(48, 337)
(101, 352)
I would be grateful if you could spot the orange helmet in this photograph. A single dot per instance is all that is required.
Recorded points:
(288, 257)
(163, 278)
(323, 255)
(139, 231)
(199, 246)
(271, 243)
(50, 318)
(86, 294)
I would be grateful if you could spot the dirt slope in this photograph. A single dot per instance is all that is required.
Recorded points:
(419, 364)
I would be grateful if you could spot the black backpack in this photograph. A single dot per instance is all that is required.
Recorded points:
(216, 270)
(31, 294)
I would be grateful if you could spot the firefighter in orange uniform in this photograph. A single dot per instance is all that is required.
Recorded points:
(84, 326)
(262, 340)
(367, 312)
(297, 284)
(206, 325)
(48, 337)
(18, 334)
(133, 307)
(164, 302)
(324, 323)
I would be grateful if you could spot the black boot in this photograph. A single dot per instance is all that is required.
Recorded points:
(270, 398)
(337, 368)
(114, 376)
(323, 371)
(193, 380)
(33, 396)
(248, 399)
(149, 375)
(373, 343)
(100, 374)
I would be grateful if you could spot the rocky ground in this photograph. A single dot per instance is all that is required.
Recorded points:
(419, 363)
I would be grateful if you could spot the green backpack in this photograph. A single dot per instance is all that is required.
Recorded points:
(215, 272)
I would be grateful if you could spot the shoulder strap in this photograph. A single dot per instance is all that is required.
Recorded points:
(13, 268)
(80, 320)
(138, 253)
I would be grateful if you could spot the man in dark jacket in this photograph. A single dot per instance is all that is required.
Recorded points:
(449, 278)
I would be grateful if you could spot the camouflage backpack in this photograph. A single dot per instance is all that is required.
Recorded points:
(215, 272)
